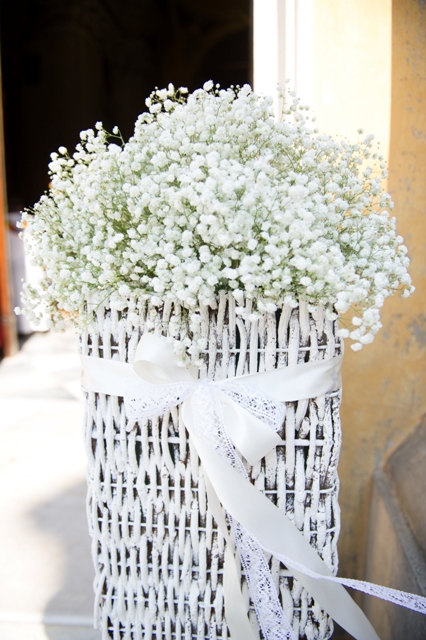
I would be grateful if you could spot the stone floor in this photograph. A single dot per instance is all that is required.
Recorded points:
(46, 569)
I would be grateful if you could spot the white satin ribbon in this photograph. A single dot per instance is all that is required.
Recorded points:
(245, 413)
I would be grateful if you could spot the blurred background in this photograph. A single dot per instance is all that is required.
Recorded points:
(358, 64)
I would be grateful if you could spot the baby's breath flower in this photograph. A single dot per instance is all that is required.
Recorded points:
(209, 194)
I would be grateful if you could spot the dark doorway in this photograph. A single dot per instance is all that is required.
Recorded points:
(69, 64)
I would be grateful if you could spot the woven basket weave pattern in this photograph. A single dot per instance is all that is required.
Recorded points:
(157, 552)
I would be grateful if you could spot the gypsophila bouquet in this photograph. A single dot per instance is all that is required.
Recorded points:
(211, 193)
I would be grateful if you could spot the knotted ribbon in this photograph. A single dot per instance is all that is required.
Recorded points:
(243, 414)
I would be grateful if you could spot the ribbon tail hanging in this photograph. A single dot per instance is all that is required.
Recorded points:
(277, 534)
(235, 609)
(270, 614)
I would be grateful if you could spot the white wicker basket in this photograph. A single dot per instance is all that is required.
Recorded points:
(157, 552)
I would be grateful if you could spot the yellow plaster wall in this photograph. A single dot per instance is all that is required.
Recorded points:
(370, 71)
(352, 67)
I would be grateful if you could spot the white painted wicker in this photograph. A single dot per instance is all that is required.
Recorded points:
(157, 552)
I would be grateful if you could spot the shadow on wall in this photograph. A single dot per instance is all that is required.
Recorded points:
(396, 553)
(69, 613)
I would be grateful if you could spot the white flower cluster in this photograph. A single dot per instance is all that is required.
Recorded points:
(211, 193)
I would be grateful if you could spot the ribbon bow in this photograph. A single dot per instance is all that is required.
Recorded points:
(243, 415)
